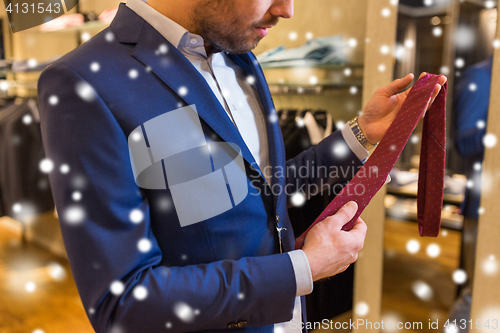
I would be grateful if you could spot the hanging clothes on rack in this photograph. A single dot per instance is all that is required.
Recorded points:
(24, 188)
(301, 130)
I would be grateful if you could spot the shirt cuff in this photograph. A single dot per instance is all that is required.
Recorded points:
(303, 276)
(354, 144)
(356, 147)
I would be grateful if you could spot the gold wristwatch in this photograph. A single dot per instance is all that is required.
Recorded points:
(353, 124)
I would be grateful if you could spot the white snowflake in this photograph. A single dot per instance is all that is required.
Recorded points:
(57, 272)
(362, 309)
(433, 250)
(490, 140)
(133, 74)
(183, 91)
(74, 214)
(313, 80)
(444, 70)
(437, 31)
(46, 165)
(273, 117)
(117, 287)
(32, 63)
(27, 119)
(340, 150)
(136, 216)
(4, 85)
(95, 67)
(109, 36)
(144, 245)
(250, 79)
(76, 196)
(17, 207)
(30, 286)
(413, 246)
(53, 100)
(490, 265)
(140, 293)
(459, 276)
(298, 199)
(85, 36)
(163, 49)
(184, 312)
(85, 91)
(64, 168)
(422, 290)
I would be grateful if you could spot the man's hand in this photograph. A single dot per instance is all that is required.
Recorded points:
(331, 250)
(382, 108)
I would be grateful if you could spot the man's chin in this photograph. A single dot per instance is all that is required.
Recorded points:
(246, 48)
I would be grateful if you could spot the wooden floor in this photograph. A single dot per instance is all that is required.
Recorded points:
(54, 305)
(402, 270)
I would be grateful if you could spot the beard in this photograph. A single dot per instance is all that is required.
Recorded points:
(226, 30)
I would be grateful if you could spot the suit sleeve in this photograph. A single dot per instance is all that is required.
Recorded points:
(325, 166)
(122, 287)
(471, 106)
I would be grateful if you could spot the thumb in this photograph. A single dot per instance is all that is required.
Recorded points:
(397, 85)
(344, 214)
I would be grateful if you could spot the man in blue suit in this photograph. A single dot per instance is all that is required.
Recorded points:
(124, 104)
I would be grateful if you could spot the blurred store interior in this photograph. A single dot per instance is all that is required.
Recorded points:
(316, 65)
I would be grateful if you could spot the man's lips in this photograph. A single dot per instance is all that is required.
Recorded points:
(262, 31)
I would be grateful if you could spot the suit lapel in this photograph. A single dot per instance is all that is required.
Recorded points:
(176, 72)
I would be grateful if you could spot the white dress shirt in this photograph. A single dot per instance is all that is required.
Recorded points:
(239, 97)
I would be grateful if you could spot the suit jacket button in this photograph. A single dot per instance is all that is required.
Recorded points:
(242, 323)
(232, 325)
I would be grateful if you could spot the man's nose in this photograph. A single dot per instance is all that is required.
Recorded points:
(282, 8)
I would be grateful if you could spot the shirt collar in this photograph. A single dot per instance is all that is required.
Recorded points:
(176, 34)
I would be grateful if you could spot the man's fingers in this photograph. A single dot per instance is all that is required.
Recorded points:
(344, 214)
(436, 91)
(442, 80)
(359, 226)
(397, 85)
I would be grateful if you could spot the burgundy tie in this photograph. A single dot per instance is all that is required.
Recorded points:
(372, 175)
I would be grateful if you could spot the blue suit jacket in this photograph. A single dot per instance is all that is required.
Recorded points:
(227, 269)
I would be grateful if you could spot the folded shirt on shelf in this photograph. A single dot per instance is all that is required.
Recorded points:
(403, 177)
(68, 20)
(108, 15)
(30, 65)
(322, 50)
(455, 184)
